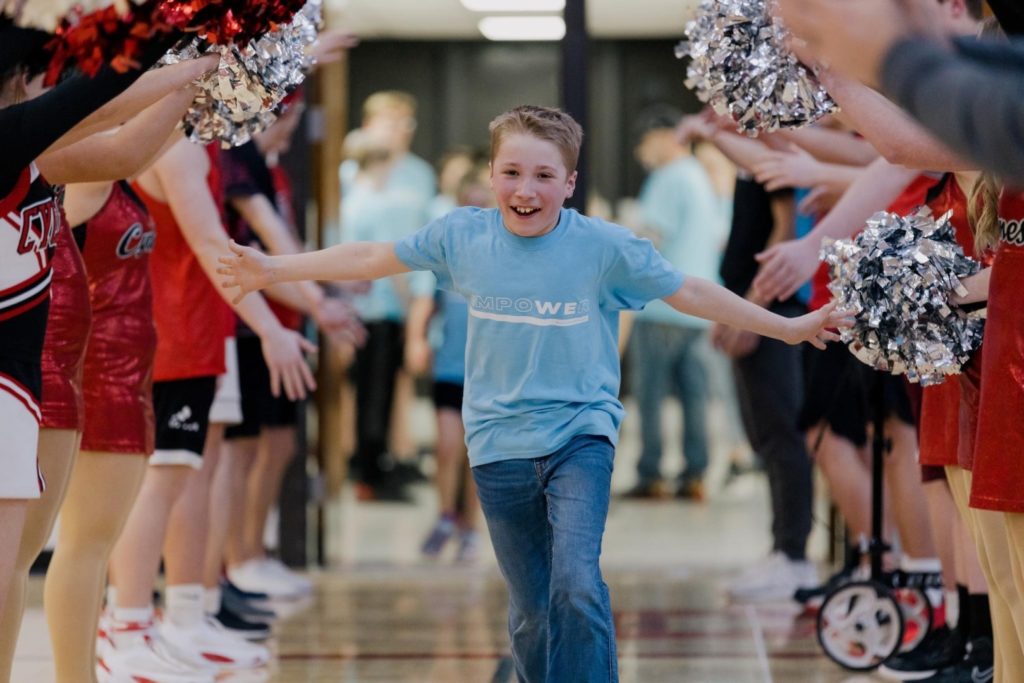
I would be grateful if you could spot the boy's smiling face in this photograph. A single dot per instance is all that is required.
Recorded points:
(530, 182)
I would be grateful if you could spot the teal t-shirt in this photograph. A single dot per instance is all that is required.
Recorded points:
(388, 213)
(679, 205)
(542, 361)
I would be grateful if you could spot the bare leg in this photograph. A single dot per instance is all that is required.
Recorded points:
(12, 521)
(944, 520)
(57, 448)
(227, 501)
(903, 482)
(276, 451)
(136, 558)
(185, 545)
(451, 454)
(849, 480)
(89, 527)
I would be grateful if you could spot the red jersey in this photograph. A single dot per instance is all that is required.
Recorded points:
(911, 197)
(118, 376)
(192, 320)
(67, 332)
(998, 482)
(939, 426)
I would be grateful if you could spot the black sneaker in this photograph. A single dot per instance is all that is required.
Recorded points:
(251, 608)
(939, 649)
(976, 666)
(231, 622)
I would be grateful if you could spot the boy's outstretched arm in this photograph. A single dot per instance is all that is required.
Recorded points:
(250, 270)
(707, 300)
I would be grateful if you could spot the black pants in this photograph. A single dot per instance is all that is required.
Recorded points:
(770, 387)
(376, 367)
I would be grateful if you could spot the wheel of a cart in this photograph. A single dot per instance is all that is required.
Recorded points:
(918, 615)
(860, 625)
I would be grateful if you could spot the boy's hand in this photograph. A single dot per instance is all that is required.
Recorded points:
(246, 269)
(283, 349)
(816, 327)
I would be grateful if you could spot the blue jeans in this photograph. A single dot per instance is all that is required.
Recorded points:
(546, 517)
(663, 358)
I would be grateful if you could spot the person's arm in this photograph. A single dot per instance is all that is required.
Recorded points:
(785, 267)
(797, 168)
(417, 348)
(830, 146)
(889, 129)
(704, 299)
(972, 107)
(181, 173)
(150, 87)
(976, 286)
(743, 151)
(122, 154)
(249, 270)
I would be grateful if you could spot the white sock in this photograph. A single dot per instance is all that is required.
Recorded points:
(132, 615)
(952, 599)
(920, 565)
(185, 605)
(211, 600)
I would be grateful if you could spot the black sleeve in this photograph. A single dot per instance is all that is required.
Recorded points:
(245, 172)
(28, 128)
(974, 108)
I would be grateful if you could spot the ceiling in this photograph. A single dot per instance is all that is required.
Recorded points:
(448, 19)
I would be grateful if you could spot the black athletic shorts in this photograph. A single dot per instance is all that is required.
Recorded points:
(838, 391)
(448, 395)
(259, 406)
(182, 410)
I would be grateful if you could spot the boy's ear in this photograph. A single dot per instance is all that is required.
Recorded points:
(570, 184)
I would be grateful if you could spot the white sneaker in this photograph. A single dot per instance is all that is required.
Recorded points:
(135, 661)
(775, 580)
(203, 645)
(275, 566)
(259, 576)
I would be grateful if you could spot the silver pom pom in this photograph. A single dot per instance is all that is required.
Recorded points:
(741, 67)
(897, 277)
(241, 97)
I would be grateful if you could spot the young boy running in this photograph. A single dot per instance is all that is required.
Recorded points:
(545, 286)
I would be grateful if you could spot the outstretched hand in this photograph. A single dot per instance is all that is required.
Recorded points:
(283, 351)
(785, 268)
(791, 168)
(246, 268)
(816, 327)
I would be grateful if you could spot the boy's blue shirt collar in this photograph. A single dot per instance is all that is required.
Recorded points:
(534, 243)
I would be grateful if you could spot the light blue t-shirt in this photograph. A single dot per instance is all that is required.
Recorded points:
(542, 363)
(679, 204)
(387, 213)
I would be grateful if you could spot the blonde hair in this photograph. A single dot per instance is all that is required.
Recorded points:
(983, 212)
(544, 123)
(387, 101)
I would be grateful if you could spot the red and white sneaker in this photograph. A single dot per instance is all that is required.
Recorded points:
(134, 660)
(207, 645)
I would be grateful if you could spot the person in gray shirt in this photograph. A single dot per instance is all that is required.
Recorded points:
(968, 93)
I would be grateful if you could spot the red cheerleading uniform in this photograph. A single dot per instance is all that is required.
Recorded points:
(911, 197)
(939, 427)
(998, 482)
(192, 320)
(67, 332)
(118, 384)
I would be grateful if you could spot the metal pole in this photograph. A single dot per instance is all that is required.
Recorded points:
(574, 86)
